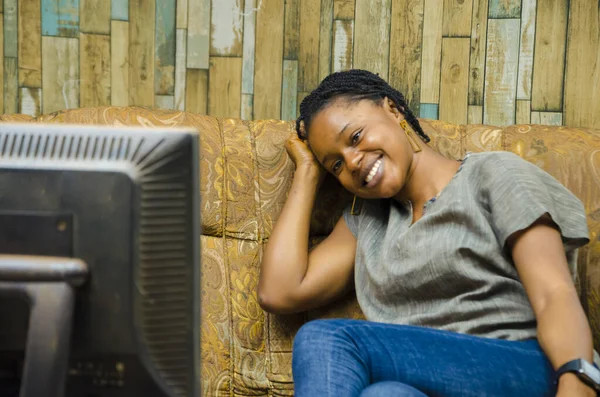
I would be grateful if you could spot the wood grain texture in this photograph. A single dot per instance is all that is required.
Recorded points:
(164, 101)
(432, 51)
(523, 115)
(546, 118)
(455, 79)
(182, 14)
(249, 47)
(325, 37)
(226, 28)
(119, 68)
(95, 16)
(95, 70)
(269, 60)
(308, 50)
(372, 26)
(119, 10)
(582, 82)
(30, 101)
(247, 107)
(478, 47)
(549, 58)
(289, 93)
(501, 72)
(291, 30)
(475, 115)
(11, 85)
(60, 18)
(505, 8)
(165, 47)
(141, 52)
(405, 50)
(1, 63)
(198, 34)
(60, 73)
(527, 41)
(196, 91)
(343, 9)
(10, 29)
(225, 87)
(180, 69)
(343, 34)
(30, 44)
(457, 18)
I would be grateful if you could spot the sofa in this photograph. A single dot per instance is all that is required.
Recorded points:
(245, 176)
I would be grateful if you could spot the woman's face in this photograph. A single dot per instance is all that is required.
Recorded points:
(363, 145)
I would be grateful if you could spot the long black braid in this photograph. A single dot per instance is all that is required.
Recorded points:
(353, 85)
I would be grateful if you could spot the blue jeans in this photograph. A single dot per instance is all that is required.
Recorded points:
(351, 358)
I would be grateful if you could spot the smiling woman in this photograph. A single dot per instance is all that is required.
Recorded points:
(477, 290)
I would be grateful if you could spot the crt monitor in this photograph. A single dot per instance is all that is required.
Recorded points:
(119, 205)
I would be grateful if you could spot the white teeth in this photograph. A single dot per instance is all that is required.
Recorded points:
(373, 171)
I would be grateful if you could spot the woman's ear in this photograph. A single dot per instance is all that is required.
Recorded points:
(390, 106)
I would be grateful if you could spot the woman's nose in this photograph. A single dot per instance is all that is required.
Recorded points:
(353, 161)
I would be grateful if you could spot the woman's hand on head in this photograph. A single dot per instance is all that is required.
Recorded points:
(303, 157)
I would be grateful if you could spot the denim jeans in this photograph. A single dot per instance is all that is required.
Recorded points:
(352, 358)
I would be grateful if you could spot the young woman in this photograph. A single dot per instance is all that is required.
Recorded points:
(463, 269)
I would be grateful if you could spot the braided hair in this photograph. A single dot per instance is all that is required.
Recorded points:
(353, 85)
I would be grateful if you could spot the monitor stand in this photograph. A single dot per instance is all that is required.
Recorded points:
(48, 284)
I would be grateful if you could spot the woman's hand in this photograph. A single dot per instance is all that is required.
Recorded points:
(303, 157)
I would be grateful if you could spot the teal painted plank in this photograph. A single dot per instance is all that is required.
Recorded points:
(505, 9)
(289, 91)
(164, 59)
(60, 18)
(10, 28)
(429, 111)
(119, 10)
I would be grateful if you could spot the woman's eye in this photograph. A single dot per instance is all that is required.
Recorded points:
(356, 137)
(336, 166)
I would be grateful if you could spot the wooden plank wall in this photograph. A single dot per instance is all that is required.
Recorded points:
(464, 61)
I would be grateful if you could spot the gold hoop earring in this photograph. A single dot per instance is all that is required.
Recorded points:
(410, 136)
(353, 210)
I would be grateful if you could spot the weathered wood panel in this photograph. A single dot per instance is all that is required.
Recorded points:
(60, 73)
(523, 115)
(343, 9)
(546, 118)
(457, 18)
(289, 93)
(10, 29)
(95, 16)
(226, 28)
(95, 70)
(432, 51)
(429, 111)
(249, 47)
(196, 91)
(475, 114)
(182, 14)
(478, 47)
(343, 34)
(60, 18)
(30, 101)
(325, 39)
(141, 52)
(1, 63)
(165, 46)
(119, 10)
(119, 68)
(455, 78)
(198, 41)
(372, 27)
(30, 44)
(180, 69)
(225, 87)
(505, 8)
(308, 50)
(11, 85)
(524, 79)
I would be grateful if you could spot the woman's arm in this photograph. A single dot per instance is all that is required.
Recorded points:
(563, 330)
(291, 279)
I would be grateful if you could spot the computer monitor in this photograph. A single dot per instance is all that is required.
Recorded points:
(111, 214)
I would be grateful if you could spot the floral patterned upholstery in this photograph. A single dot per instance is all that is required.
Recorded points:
(245, 176)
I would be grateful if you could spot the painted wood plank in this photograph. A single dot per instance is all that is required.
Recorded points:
(10, 85)
(30, 44)
(247, 107)
(141, 52)
(269, 60)
(475, 115)
(505, 8)
(95, 16)
(119, 10)
(289, 94)
(1, 6)
(60, 18)
(180, 70)
(432, 51)
(527, 41)
(325, 39)
(457, 18)
(1, 63)
(546, 118)
(60, 73)
(308, 54)
(371, 43)
(165, 47)
(429, 111)
(226, 28)
(291, 30)
(30, 101)
(454, 80)
(501, 72)
(164, 101)
(405, 50)
(95, 65)
(478, 46)
(549, 57)
(582, 82)
(523, 112)
(249, 47)
(198, 34)
(196, 91)
(182, 14)
(343, 34)
(10, 28)
(225, 87)
(119, 74)
(343, 9)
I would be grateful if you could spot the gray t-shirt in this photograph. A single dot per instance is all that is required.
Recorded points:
(451, 270)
